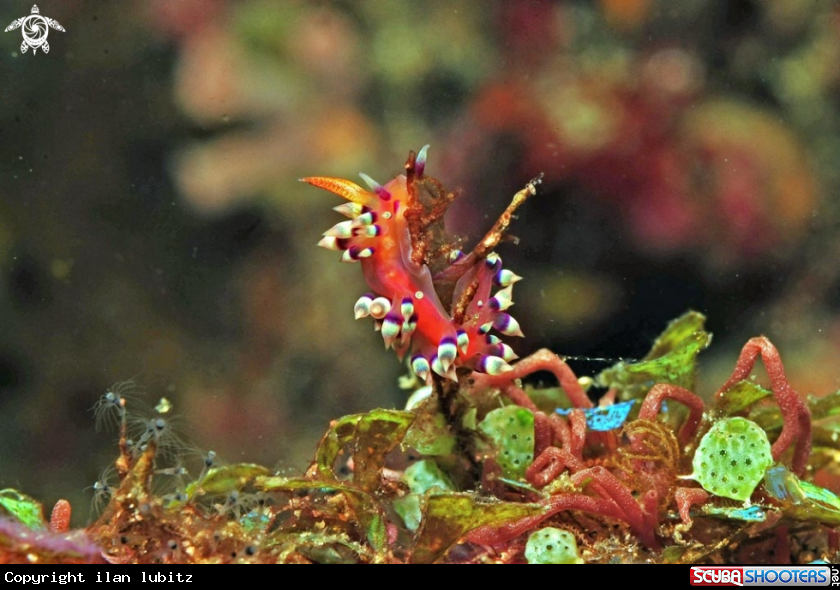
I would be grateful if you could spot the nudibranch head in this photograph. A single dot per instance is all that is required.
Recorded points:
(444, 320)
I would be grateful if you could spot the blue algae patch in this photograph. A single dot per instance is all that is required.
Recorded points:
(776, 480)
(604, 418)
(748, 514)
(801, 499)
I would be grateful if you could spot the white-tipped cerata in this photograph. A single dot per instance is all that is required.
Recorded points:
(505, 278)
(350, 210)
(508, 326)
(391, 328)
(330, 243)
(380, 307)
(362, 307)
(463, 341)
(341, 230)
(493, 365)
(437, 367)
(447, 352)
(421, 367)
(502, 299)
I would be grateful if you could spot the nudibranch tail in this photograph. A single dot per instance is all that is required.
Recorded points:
(395, 231)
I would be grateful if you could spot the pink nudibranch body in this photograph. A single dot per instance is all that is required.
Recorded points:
(403, 302)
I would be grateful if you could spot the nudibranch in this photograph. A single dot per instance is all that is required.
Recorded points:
(444, 320)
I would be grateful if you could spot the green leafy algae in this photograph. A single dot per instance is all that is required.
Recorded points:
(511, 429)
(739, 397)
(24, 508)
(429, 434)
(552, 546)
(226, 478)
(365, 509)
(449, 517)
(731, 458)
(422, 477)
(373, 435)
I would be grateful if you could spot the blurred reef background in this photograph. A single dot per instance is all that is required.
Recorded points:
(152, 227)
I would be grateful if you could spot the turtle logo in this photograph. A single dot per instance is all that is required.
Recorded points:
(35, 29)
